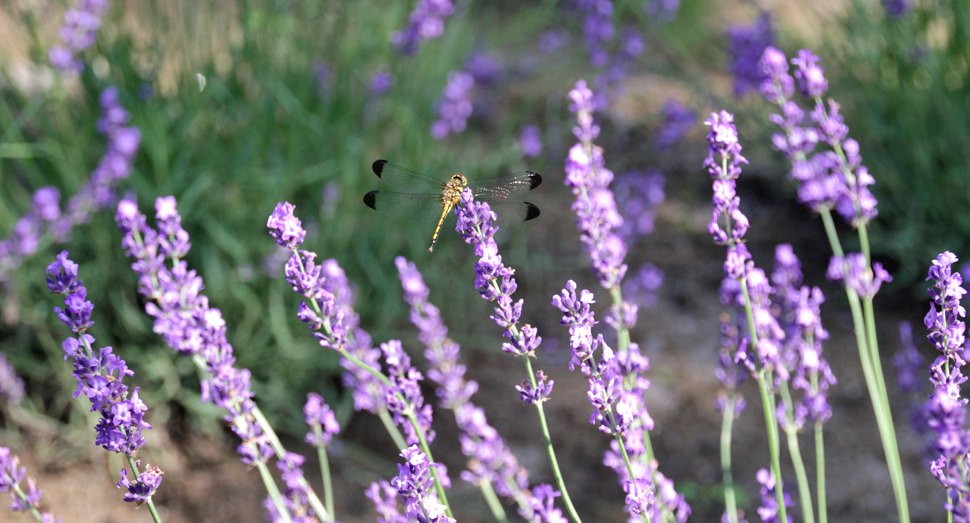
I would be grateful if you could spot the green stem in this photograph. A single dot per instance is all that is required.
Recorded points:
(327, 479)
(547, 441)
(727, 423)
(804, 492)
(823, 509)
(273, 490)
(493, 502)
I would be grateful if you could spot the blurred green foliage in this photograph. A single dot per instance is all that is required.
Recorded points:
(905, 84)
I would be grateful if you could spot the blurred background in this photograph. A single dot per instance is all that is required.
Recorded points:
(244, 104)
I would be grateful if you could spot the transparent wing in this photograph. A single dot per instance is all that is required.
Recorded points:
(415, 208)
(406, 180)
(505, 186)
(509, 212)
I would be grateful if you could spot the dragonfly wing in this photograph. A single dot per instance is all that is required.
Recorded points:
(406, 180)
(509, 212)
(415, 208)
(505, 186)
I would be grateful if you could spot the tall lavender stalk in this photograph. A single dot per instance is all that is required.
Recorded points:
(99, 377)
(728, 226)
(192, 328)
(495, 282)
(11, 474)
(835, 179)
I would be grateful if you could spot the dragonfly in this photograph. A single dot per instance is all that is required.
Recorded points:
(420, 197)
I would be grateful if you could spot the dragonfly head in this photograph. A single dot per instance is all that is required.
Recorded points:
(459, 179)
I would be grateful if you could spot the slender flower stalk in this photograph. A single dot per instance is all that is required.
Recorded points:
(491, 465)
(323, 427)
(495, 282)
(46, 222)
(835, 179)
(328, 313)
(192, 328)
(99, 377)
(11, 474)
(730, 403)
(728, 226)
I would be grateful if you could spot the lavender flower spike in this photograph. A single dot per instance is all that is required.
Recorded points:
(79, 32)
(426, 22)
(11, 474)
(99, 377)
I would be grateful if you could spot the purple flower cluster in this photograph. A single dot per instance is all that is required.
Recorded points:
(543, 505)
(426, 22)
(99, 377)
(454, 106)
(415, 484)
(600, 33)
(98, 193)
(11, 474)
(616, 389)
(799, 309)
(11, 386)
(642, 288)
(321, 419)
(597, 217)
(768, 511)
(381, 82)
(896, 8)
(185, 320)
(855, 272)
(530, 141)
(489, 458)
(140, 490)
(908, 361)
(747, 44)
(295, 495)
(678, 120)
(79, 32)
(730, 371)
(829, 179)
(944, 412)
(638, 194)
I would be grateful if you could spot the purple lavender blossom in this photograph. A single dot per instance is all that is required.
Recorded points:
(426, 22)
(908, 361)
(454, 106)
(415, 484)
(381, 82)
(489, 458)
(730, 372)
(484, 68)
(78, 33)
(530, 141)
(597, 217)
(768, 511)
(638, 194)
(142, 489)
(855, 272)
(944, 412)
(184, 319)
(294, 493)
(642, 288)
(896, 8)
(664, 10)
(543, 505)
(11, 386)
(321, 419)
(747, 44)
(598, 28)
(11, 474)
(678, 120)
(385, 498)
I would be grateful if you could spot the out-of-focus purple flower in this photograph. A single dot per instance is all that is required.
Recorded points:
(489, 458)
(664, 10)
(381, 82)
(415, 484)
(322, 73)
(530, 141)
(11, 386)
(552, 40)
(896, 8)
(638, 194)
(484, 68)
(96, 194)
(908, 360)
(855, 272)
(79, 32)
(643, 286)
(454, 106)
(321, 419)
(768, 511)
(543, 505)
(385, 498)
(142, 489)
(597, 28)
(295, 494)
(678, 120)
(11, 474)
(426, 22)
(730, 372)
(747, 44)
